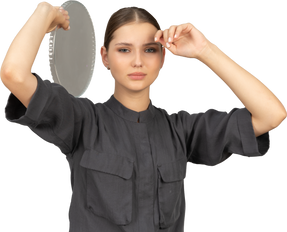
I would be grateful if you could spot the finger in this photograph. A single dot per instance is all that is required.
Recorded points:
(158, 35)
(165, 38)
(57, 6)
(64, 12)
(182, 28)
(171, 33)
(177, 32)
(66, 25)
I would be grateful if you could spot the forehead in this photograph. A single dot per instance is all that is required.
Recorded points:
(135, 32)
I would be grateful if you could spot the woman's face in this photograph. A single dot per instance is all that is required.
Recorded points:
(133, 50)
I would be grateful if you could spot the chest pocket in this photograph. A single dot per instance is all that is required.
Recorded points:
(109, 185)
(170, 191)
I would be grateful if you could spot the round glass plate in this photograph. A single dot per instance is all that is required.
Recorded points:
(72, 56)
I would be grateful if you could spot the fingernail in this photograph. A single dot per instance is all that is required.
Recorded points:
(61, 8)
(169, 39)
(174, 36)
(167, 44)
(155, 39)
(69, 28)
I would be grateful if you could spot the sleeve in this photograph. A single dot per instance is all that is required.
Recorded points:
(212, 137)
(53, 114)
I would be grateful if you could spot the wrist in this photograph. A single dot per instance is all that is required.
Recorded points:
(207, 53)
(46, 10)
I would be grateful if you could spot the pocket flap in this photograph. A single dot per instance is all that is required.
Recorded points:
(109, 163)
(173, 171)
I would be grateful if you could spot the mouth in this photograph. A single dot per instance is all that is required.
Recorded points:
(137, 77)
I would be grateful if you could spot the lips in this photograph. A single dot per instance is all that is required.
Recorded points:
(137, 74)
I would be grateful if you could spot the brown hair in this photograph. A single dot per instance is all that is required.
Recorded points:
(124, 16)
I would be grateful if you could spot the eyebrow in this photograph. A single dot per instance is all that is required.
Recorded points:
(129, 44)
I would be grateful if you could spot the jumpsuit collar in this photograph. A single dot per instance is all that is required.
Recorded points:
(119, 109)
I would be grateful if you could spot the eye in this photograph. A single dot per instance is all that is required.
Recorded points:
(122, 49)
(153, 49)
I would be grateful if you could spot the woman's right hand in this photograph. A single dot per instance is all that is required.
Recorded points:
(61, 17)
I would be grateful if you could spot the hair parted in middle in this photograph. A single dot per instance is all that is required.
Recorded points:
(124, 16)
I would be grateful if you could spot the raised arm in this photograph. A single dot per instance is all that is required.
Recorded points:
(266, 110)
(16, 69)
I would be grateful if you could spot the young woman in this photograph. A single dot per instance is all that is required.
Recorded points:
(127, 157)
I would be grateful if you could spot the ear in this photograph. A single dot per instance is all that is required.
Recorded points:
(164, 58)
(102, 55)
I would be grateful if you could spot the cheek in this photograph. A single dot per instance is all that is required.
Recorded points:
(119, 66)
(153, 62)
(155, 66)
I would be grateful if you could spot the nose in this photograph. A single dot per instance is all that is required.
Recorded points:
(139, 58)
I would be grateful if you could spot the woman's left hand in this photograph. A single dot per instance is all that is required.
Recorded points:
(183, 40)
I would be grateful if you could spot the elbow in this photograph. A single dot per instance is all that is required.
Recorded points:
(5, 74)
(285, 116)
(281, 119)
(8, 76)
